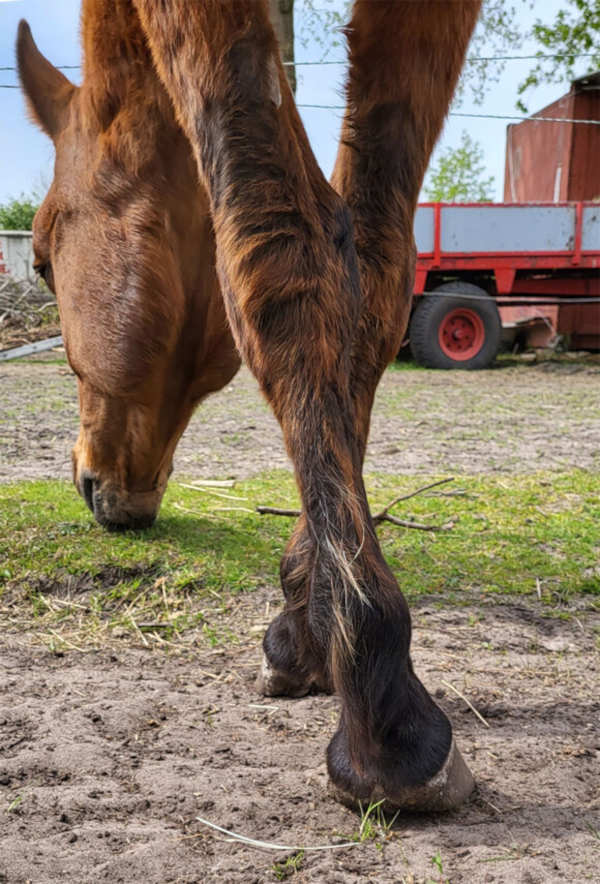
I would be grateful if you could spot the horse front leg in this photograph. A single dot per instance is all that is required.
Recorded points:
(404, 61)
(289, 274)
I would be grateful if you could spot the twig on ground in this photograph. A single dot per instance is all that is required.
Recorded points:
(61, 638)
(234, 509)
(382, 515)
(138, 631)
(404, 523)
(185, 509)
(66, 603)
(215, 483)
(212, 493)
(275, 511)
(216, 509)
(267, 845)
(210, 674)
(468, 702)
(459, 492)
(493, 806)
(22, 305)
(157, 625)
(377, 520)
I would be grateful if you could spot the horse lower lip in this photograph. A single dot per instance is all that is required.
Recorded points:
(135, 524)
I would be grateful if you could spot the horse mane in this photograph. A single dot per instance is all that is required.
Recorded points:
(121, 96)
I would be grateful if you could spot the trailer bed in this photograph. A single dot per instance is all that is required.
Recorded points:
(506, 238)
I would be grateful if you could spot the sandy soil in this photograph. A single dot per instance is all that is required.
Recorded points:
(107, 758)
(507, 419)
(114, 754)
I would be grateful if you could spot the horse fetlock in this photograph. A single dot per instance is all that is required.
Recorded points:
(272, 682)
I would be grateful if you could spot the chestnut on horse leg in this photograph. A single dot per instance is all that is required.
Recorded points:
(288, 269)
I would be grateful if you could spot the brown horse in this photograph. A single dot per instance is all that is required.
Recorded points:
(316, 285)
(125, 240)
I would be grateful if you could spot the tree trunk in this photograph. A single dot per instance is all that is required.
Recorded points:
(282, 18)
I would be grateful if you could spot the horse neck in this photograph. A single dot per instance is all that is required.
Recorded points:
(118, 70)
(124, 102)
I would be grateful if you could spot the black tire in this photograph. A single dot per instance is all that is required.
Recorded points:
(450, 331)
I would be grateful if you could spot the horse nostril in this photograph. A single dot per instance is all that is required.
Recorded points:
(87, 490)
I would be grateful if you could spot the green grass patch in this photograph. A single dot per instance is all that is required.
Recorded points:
(63, 576)
(405, 363)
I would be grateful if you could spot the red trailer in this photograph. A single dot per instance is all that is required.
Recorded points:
(530, 269)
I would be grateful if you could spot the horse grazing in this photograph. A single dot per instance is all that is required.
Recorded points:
(125, 240)
(316, 281)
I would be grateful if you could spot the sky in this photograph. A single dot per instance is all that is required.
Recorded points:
(26, 155)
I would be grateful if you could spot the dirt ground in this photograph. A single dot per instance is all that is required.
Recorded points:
(114, 755)
(514, 418)
(108, 758)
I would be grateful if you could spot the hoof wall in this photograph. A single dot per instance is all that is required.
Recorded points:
(447, 790)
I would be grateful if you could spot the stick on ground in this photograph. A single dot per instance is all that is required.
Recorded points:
(382, 516)
(469, 704)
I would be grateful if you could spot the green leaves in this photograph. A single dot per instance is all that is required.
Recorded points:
(458, 175)
(574, 31)
(18, 214)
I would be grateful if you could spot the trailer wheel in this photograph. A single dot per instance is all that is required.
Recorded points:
(450, 331)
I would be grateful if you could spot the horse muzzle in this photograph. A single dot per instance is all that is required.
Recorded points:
(114, 508)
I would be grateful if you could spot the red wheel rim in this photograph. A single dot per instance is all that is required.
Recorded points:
(461, 334)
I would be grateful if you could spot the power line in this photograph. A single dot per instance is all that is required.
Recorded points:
(341, 107)
(473, 58)
(61, 67)
(523, 119)
(469, 60)
(477, 116)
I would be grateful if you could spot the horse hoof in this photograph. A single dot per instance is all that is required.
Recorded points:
(447, 790)
(289, 669)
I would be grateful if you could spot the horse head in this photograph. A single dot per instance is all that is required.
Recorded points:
(124, 239)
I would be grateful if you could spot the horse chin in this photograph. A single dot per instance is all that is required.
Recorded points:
(124, 520)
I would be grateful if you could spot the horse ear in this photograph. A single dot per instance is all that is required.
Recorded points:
(48, 92)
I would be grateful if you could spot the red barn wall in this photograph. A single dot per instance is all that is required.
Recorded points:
(584, 178)
(556, 162)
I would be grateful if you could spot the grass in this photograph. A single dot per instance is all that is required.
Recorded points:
(437, 864)
(289, 867)
(14, 804)
(374, 824)
(65, 579)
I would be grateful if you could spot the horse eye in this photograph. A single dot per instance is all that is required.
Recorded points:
(44, 271)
